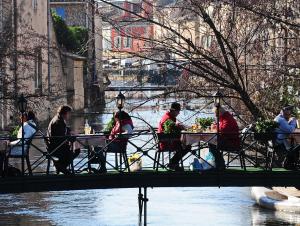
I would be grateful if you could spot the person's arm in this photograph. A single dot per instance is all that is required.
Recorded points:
(180, 126)
(285, 126)
(128, 129)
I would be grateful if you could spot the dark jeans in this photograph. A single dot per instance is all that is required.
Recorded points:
(99, 158)
(281, 153)
(179, 154)
(65, 157)
(287, 158)
(220, 163)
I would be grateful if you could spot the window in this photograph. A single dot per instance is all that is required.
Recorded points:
(206, 41)
(127, 42)
(106, 44)
(34, 5)
(38, 70)
(117, 42)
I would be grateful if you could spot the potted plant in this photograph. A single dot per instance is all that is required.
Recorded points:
(171, 128)
(264, 130)
(14, 133)
(205, 123)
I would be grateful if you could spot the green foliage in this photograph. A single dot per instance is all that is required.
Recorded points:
(14, 132)
(110, 125)
(170, 127)
(205, 122)
(73, 38)
(265, 126)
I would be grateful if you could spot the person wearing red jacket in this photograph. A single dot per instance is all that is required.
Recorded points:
(175, 144)
(123, 125)
(228, 136)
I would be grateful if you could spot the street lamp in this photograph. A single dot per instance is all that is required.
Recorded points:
(217, 98)
(22, 105)
(120, 101)
(217, 101)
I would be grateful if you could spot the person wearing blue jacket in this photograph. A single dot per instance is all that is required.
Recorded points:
(287, 156)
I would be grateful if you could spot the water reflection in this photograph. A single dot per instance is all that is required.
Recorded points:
(114, 207)
(267, 217)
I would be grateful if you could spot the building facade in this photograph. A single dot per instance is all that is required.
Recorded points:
(126, 32)
(34, 64)
(86, 13)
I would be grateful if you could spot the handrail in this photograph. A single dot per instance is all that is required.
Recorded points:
(143, 149)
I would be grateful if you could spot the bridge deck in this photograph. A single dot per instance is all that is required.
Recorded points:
(228, 178)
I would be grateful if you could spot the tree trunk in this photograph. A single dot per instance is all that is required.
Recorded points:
(253, 109)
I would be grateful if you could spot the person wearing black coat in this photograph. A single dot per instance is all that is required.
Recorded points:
(59, 140)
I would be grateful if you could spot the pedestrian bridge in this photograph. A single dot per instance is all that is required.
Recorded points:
(252, 171)
(149, 178)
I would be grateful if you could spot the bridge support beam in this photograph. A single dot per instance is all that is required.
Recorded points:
(142, 202)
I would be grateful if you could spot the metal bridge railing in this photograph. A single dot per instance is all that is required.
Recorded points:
(254, 152)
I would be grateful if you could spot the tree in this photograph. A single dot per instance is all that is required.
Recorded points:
(238, 46)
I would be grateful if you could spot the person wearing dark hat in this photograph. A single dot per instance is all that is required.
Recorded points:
(286, 125)
(176, 145)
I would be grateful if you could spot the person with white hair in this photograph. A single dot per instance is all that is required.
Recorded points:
(286, 125)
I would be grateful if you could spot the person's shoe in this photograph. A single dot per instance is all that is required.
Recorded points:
(174, 167)
(221, 168)
(60, 168)
(102, 170)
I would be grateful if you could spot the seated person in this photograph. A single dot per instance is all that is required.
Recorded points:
(29, 127)
(286, 126)
(123, 125)
(175, 144)
(59, 144)
(228, 136)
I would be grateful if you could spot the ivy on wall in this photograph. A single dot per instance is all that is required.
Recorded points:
(72, 38)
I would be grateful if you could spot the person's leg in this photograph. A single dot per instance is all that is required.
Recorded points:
(116, 147)
(281, 153)
(292, 158)
(220, 162)
(65, 158)
(101, 158)
(179, 154)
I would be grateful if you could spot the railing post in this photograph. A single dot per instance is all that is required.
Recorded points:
(145, 206)
(142, 203)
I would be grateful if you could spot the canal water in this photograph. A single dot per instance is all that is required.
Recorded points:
(116, 207)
